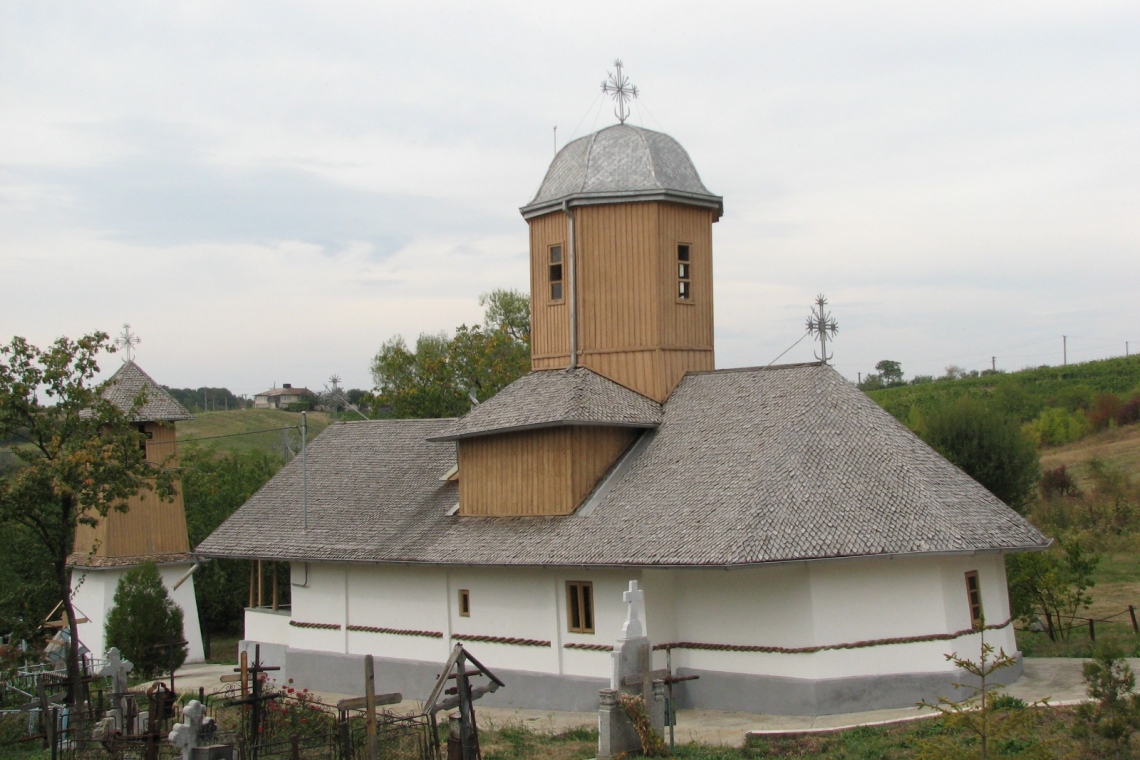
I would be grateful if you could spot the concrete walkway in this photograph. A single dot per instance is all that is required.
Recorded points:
(1058, 679)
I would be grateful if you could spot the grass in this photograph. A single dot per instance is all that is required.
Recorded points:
(224, 649)
(240, 425)
(1117, 446)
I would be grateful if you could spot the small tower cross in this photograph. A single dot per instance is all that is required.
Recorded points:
(618, 87)
(127, 341)
(823, 325)
(632, 628)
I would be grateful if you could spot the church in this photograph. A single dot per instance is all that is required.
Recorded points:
(800, 550)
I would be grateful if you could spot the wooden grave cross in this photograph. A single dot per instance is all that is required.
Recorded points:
(255, 698)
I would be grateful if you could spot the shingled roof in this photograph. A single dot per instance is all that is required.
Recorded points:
(557, 397)
(124, 386)
(621, 164)
(747, 467)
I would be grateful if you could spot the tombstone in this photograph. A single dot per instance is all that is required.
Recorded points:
(184, 735)
(632, 674)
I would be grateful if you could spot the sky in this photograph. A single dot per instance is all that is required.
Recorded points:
(268, 191)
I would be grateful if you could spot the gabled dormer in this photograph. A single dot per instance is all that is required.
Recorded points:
(540, 445)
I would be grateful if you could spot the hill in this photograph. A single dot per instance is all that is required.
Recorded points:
(1117, 446)
(1022, 394)
(249, 429)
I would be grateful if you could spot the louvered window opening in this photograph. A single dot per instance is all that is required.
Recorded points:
(555, 273)
(974, 595)
(684, 273)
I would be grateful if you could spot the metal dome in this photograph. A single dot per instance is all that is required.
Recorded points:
(621, 164)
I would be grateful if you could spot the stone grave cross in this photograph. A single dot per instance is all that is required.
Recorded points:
(117, 669)
(185, 735)
(632, 627)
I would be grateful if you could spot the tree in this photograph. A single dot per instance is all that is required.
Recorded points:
(143, 619)
(890, 371)
(438, 378)
(1053, 584)
(213, 486)
(989, 446)
(78, 454)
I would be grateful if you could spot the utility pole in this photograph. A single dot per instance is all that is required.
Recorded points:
(860, 378)
(993, 363)
(1065, 349)
(1125, 349)
(304, 473)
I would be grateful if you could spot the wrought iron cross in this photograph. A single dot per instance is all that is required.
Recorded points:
(127, 342)
(822, 325)
(618, 87)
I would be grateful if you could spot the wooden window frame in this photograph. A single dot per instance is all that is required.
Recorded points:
(974, 599)
(580, 606)
(684, 270)
(464, 603)
(550, 265)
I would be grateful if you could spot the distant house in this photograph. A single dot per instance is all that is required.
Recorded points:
(281, 398)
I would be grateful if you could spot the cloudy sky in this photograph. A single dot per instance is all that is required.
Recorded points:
(268, 191)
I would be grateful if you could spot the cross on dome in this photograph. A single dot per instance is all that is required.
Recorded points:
(127, 341)
(618, 87)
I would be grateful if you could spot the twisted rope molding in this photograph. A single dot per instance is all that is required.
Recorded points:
(588, 647)
(501, 640)
(395, 631)
(322, 626)
(828, 647)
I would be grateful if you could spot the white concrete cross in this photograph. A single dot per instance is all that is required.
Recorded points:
(117, 668)
(184, 735)
(632, 628)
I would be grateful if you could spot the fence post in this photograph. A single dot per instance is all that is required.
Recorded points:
(1092, 629)
(345, 738)
(295, 747)
(1132, 614)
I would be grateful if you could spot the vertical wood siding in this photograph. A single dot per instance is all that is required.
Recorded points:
(150, 525)
(535, 472)
(550, 322)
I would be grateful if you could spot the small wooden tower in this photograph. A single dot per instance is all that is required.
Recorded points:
(621, 261)
(151, 530)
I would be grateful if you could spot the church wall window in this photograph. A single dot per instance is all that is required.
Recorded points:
(974, 596)
(684, 273)
(555, 271)
(464, 603)
(580, 606)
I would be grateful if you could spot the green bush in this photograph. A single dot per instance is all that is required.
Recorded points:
(144, 617)
(1057, 426)
(988, 445)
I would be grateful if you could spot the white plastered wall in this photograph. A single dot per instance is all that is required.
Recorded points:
(93, 592)
(789, 605)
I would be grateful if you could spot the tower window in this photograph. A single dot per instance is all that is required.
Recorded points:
(555, 273)
(580, 606)
(146, 436)
(974, 596)
(684, 273)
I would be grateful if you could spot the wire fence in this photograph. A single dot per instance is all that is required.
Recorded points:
(1075, 623)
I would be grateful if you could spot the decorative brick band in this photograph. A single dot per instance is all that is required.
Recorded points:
(395, 631)
(827, 647)
(589, 647)
(321, 626)
(501, 640)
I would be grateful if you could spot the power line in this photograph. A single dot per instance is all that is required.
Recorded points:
(234, 435)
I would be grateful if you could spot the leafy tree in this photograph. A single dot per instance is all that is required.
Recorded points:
(213, 487)
(437, 378)
(890, 371)
(79, 454)
(507, 310)
(1056, 427)
(1052, 584)
(145, 617)
(27, 583)
(989, 446)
